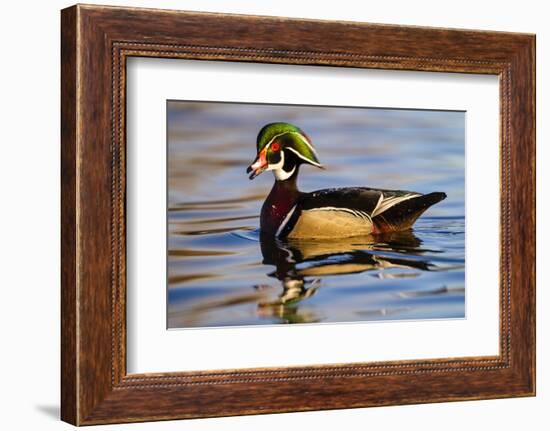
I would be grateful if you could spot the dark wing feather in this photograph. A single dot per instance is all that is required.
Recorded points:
(403, 215)
(354, 198)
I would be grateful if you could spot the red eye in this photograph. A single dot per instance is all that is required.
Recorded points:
(275, 146)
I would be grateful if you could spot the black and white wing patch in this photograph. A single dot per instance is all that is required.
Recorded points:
(385, 202)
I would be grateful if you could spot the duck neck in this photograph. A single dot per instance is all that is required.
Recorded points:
(279, 203)
(290, 183)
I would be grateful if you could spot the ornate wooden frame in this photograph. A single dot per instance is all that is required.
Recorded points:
(95, 42)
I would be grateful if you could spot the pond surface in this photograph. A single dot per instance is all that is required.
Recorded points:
(222, 272)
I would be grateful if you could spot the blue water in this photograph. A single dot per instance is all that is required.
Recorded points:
(221, 273)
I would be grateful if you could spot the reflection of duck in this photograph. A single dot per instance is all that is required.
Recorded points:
(285, 307)
(300, 267)
(294, 291)
(329, 213)
(295, 260)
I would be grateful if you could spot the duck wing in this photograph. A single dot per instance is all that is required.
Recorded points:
(352, 211)
(403, 214)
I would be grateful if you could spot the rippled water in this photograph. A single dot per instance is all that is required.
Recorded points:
(221, 272)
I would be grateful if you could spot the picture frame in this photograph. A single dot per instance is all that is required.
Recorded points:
(96, 42)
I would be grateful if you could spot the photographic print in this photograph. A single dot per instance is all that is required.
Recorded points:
(290, 214)
(269, 212)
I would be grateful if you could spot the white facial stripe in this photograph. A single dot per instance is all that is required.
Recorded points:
(302, 157)
(272, 167)
(278, 171)
(275, 137)
(283, 175)
(302, 137)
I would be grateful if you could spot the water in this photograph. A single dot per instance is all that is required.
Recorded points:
(221, 272)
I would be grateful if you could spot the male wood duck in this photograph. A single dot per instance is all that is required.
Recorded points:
(328, 213)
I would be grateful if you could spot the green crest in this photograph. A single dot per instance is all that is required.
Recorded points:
(288, 137)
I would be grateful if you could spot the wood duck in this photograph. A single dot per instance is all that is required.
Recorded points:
(328, 213)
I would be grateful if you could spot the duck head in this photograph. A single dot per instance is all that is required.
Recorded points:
(282, 147)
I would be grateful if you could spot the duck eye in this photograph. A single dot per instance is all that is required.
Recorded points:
(275, 146)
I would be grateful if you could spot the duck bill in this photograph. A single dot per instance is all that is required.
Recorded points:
(259, 165)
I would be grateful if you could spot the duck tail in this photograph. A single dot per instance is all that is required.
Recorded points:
(403, 215)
